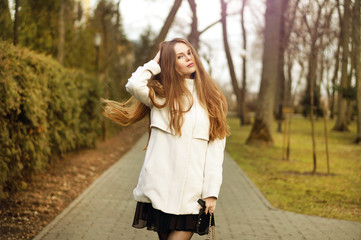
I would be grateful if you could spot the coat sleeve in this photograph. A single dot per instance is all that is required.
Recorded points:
(213, 168)
(137, 83)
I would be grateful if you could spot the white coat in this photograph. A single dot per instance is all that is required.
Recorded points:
(177, 170)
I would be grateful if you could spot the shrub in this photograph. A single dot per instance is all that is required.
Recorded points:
(45, 110)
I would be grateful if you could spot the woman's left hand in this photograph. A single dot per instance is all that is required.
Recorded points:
(157, 57)
(210, 204)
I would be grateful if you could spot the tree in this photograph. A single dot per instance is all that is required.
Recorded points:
(290, 49)
(5, 21)
(316, 18)
(16, 22)
(280, 89)
(341, 122)
(243, 108)
(167, 24)
(193, 37)
(143, 47)
(356, 38)
(50, 27)
(351, 90)
(261, 128)
(39, 25)
(232, 73)
(114, 47)
(118, 22)
(284, 79)
(316, 29)
(54, 28)
(61, 32)
(334, 77)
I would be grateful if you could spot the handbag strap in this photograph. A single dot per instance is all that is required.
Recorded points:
(213, 229)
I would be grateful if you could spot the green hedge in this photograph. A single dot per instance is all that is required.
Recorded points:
(45, 110)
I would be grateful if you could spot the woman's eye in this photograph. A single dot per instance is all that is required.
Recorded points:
(180, 56)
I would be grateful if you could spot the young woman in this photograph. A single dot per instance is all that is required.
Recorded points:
(188, 128)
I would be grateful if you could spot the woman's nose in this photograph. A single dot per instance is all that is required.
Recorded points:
(188, 57)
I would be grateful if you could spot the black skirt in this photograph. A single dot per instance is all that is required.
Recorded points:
(156, 220)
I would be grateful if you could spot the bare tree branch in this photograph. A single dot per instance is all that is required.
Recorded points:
(307, 25)
(218, 21)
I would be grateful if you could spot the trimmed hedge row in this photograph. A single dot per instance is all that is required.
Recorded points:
(45, 110)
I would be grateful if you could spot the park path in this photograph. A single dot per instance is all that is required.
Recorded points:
(105, 210)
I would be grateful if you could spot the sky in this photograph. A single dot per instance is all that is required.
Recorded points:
(138, 15)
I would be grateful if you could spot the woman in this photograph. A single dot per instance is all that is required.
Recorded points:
(184, 156)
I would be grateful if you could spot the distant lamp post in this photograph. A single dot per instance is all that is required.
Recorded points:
(97, 42)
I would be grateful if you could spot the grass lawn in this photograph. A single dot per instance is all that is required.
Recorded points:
(289, 185)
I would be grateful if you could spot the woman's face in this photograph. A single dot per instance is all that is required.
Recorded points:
(185, 61)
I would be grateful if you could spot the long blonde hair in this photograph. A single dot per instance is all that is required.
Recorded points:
(170, 86)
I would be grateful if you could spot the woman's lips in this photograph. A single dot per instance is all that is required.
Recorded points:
(190, 65)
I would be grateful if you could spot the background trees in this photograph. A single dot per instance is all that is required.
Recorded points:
(261, 129)
(5, 21)
(310, 52)
(357, 56)
(341, 123)
(315, 37)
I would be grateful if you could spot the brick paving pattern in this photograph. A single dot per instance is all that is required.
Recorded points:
(105, 210)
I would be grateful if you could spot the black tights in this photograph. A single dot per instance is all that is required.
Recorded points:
(163, 235)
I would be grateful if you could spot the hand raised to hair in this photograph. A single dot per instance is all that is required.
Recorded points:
(157, 57)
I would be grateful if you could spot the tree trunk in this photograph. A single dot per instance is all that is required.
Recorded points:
(244, 111)
(288, 82)
(5, 20)
(118, 19)
(313, 125)
(61, 33)
(228, 55)
(337, 61)
(356, 37)
(288, 86)
(341, 122)
(311, 80)
(119, 31)
(104, 43)
(350, 102)
(16, 22)
(312, 73)
(193, 37)
(321, 69)
(334, 78)
(311, 85)
(167, 24)
(280, 89)
(261, 129)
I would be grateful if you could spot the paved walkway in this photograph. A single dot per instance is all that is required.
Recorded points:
(105, 211)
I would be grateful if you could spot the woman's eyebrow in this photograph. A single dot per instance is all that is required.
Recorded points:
(183, 52)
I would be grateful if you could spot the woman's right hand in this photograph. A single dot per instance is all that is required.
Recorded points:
(157, 57)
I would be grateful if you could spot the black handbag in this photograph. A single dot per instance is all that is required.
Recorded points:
(205, 221)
